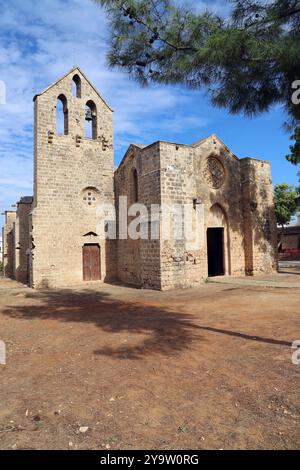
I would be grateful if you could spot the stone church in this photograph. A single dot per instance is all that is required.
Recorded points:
(52, 238)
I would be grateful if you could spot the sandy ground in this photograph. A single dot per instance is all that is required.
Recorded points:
(205, 368)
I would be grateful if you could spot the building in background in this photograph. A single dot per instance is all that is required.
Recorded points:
(8, 246)
(289, 241)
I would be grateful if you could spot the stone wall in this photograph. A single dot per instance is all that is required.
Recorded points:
(178, 186)
(139, 260)
(8, 240)
(73, 175)
(150, 194)
(129, 266)
(22, 240)
(260, 228)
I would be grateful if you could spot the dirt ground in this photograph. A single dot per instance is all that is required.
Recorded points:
(205, 368)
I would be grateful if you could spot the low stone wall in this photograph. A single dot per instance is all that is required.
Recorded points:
(289, 256)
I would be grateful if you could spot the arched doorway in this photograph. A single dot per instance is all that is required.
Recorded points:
(217, 242)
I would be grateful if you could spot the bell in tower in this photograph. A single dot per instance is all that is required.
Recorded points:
(88, 114)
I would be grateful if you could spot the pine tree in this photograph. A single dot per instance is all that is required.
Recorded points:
(247, 61)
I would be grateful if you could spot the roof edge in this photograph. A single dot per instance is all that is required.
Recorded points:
(74, 69)
(214, 136)
(131, 146)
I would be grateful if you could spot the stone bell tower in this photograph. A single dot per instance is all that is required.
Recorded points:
(73, 175)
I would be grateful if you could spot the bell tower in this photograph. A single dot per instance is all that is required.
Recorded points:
(73, 175)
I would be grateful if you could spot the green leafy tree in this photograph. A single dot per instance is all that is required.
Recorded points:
(287, 203)
(294, 156)
(247, 61)
(298, 189)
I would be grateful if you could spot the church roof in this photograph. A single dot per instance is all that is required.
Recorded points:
(198, 143)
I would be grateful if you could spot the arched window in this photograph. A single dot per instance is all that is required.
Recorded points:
(62, 115)
(76, 86)
(90, 120)
(135, 187)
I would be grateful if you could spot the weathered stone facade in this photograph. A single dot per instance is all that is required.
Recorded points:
(22, 240)
(8, 240)
(139, 260)
(237, 195)
(74, 174)
(67, 169)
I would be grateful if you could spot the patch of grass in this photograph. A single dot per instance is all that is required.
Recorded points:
(183, 429)
(113, 440)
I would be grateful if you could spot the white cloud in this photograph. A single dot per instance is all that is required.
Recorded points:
(39, 42)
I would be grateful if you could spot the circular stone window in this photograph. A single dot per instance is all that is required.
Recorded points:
(90, 196)
(214, 172)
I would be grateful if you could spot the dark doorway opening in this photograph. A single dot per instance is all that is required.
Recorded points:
(91, 262)
(215, 251)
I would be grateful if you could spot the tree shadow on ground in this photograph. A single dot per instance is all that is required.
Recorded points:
(165, 331)
(259, 339)
(289, 272)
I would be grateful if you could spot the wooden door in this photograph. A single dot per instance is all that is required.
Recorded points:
(91, 263)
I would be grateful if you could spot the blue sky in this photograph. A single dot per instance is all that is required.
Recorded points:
(41, 40)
